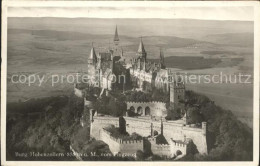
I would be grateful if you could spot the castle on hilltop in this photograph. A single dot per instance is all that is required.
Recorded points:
(168, 138)
(146, 75)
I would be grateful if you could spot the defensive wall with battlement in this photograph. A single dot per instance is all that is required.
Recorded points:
(168, 150)
(118, 145)
(160, 149)
(154, 108)
(142, 126)
(177, 146)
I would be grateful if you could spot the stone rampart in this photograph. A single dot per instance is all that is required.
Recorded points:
(118, 145)
(178, 146)
(100, 122)
(163, 150)
(142, 127)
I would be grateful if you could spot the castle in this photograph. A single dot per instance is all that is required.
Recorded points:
(101, 66)
(145, 74)
(150, 121)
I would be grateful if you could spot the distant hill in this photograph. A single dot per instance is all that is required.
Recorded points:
(188, 63)
(237, 39)
(128, 43)
(187, 28)
(165, 41)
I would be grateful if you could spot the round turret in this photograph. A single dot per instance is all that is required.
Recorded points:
(204, 127)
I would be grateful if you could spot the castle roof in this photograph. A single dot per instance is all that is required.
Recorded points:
(92, 54)
(141, 49)
(116, 38)
(149, 66)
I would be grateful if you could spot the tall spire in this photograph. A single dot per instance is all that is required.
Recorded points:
(162, 59)
(92, 56)
(141, 51)
(116, 38)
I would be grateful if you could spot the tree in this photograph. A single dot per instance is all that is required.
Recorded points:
(139, 155)
(191, 148)
(194, 116)
(173, 113)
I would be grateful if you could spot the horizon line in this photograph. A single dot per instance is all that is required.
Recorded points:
(129, 18)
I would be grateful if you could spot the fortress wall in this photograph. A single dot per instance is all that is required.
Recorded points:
(161, 150)
(118, 145)
(144, 130)
(114, 146)
(142, 127)
(170, 130)
(101, 122)
(131, 146)
(176, 146)
(178, 133)
(199, 140)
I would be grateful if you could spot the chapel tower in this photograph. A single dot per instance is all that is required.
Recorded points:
(141, 51)
(92, 63)
(116, 38)
(161, 62)
(177, 91)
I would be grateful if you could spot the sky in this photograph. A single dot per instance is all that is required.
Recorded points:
(204, 13)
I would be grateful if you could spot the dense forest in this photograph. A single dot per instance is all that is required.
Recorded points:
(55, 126)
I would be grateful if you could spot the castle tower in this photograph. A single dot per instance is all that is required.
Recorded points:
(112, 63)
(161, 126)
(141, 51)
(122, 125)
(184, 118)
(162, 64)
(92, 64)
(122, 53)
(204, 127)
(152, 132)
(144, 66)
(177, 91)
(116, 38)
(139, 64)
(92, 60)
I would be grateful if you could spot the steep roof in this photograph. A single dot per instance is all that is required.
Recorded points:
(116, 38)
(141, 49)
(92, 54)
